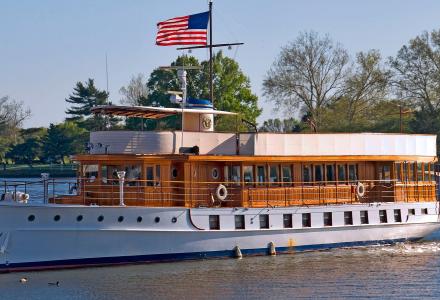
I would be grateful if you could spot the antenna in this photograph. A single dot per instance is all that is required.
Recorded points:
(181, 74)
(106, 73)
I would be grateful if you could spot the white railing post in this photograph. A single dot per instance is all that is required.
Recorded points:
(121, 176)
(45, 178)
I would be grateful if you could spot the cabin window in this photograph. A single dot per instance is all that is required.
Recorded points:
(385, 172)
(215, 173)
(383, 216)
(264, 221)
(286, 175)
(330, 173)
(411, 174)
(341, 173)
(364, 217)
(239, 222)
(274, 175)
(352, 173)
(157, 175)
(419, 171)
(235, 174)
(174, 173)
(427, 174)
(348, 218)
(287, 221)
(109, 174)
(133, 175)
(261, 175)
(149, 173)
(306, 220)
(319, 176)
(398, 167)
(90, 172)
(397, 216)
(307, 173)
(214, 222)
(328, 219)
(405, 171)
(424, 211)
(248, 175)
(411, 211)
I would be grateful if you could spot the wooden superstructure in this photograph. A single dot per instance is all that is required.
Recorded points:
(251, 181)
(189, 168)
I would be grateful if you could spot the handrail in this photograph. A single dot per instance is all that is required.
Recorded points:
(254, 194)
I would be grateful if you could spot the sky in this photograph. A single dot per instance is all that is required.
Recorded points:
(47, 46)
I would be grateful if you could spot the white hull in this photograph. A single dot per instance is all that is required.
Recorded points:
(46, 243)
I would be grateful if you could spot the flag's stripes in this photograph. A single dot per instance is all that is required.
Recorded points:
(178, 31)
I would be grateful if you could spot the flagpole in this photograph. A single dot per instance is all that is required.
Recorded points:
(211, 91)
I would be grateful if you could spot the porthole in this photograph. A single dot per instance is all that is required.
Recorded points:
(79, 218)
(156, 220)
(31, 218)
(174, 220)
(214, 173)
(139, 219)
(101, 218)
(120, 219)
(56, 218)
(174, 173)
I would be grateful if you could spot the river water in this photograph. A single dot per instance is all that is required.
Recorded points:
(402, 271)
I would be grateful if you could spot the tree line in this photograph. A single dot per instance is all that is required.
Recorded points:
(314, 82)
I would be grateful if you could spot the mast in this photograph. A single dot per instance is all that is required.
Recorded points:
(211, 90)
(210, 46)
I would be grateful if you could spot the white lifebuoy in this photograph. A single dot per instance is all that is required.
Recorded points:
(221, 192)
(360, 189)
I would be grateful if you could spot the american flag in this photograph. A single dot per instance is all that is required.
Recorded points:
(187, 30)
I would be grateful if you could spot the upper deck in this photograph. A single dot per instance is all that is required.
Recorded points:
(375, 145)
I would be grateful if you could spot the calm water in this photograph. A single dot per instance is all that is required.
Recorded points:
(408, 271)
(403, 271)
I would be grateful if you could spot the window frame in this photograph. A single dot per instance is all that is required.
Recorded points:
(239, 219)
(348, 217)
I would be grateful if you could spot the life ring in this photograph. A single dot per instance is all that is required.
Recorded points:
(360, 189)
(221, 192)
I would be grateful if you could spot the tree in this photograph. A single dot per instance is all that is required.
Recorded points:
(136, 92)
(416, 79)
(231, 90)
(12, 115)
(366, 85)
(26, 152)
(417, 72)
(63, 140)
(84, 97)
(308, 75)
(277, 125)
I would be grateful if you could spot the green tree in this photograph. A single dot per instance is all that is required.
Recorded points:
(26, 152)
(231, 91)
(286, 125)
(416, 78)
(63, 140)
(84, 97)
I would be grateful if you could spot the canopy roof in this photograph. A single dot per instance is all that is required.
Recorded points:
(151, 112)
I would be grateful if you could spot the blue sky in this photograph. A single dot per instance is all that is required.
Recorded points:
(46, 46)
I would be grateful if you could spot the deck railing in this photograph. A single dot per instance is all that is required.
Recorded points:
(91, 191)
(249, 194)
